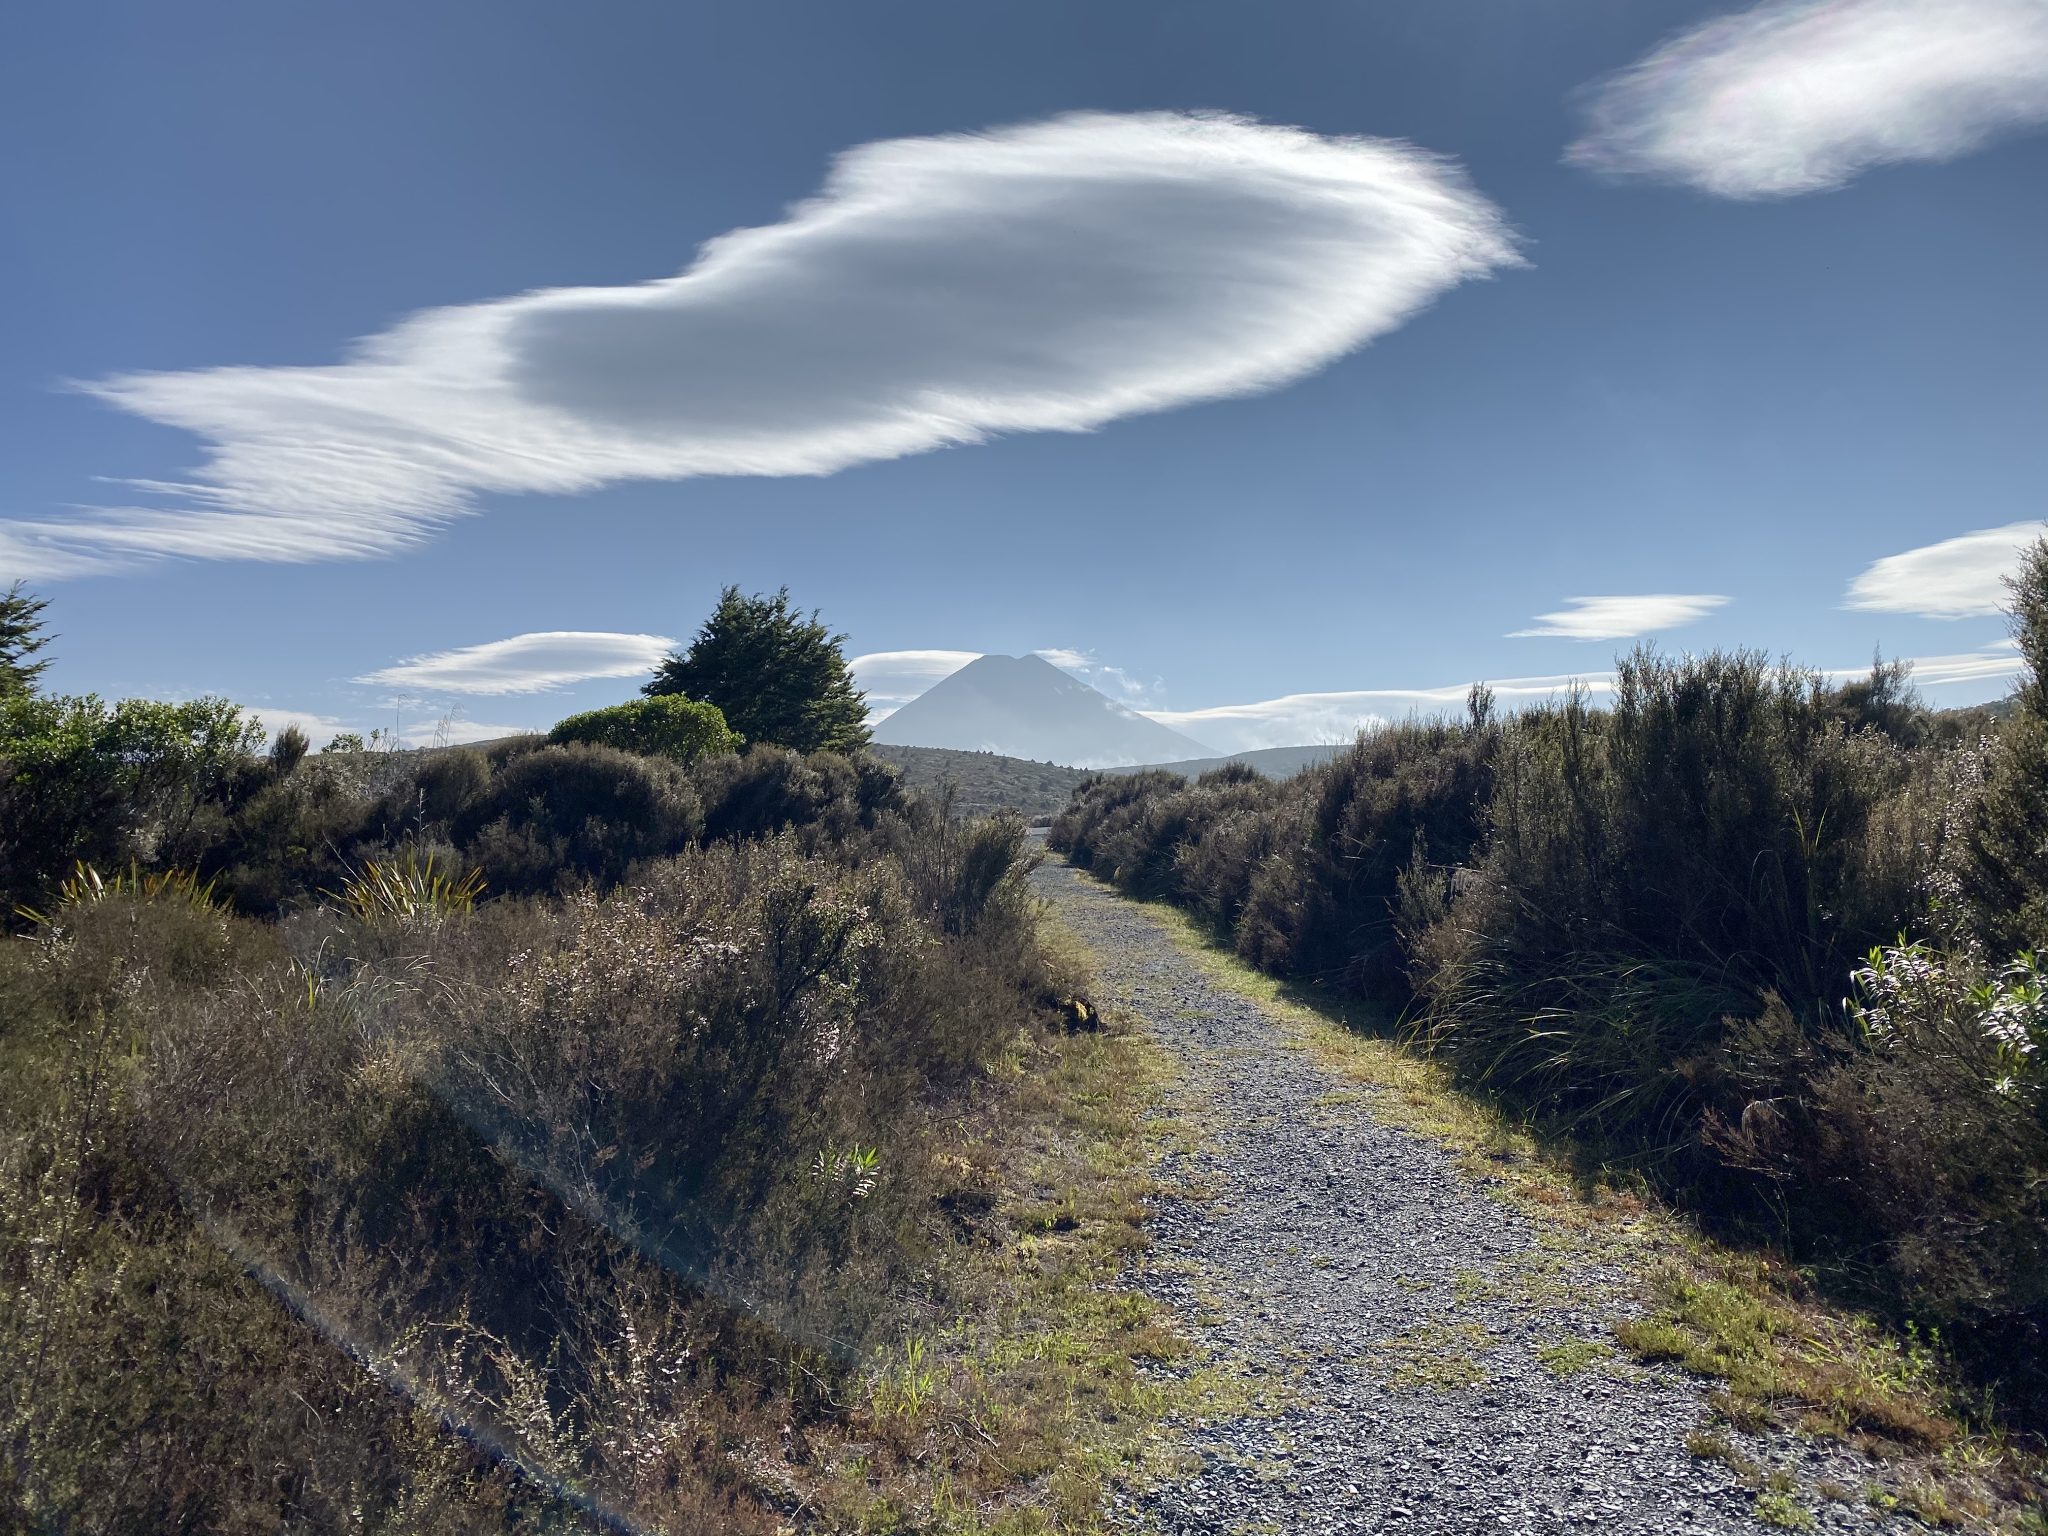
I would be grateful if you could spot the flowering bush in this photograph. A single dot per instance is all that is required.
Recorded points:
(1914, 997)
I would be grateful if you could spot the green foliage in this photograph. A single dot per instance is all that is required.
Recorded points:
(288, 750)
(344, 741)
(563, 815)
(84, 780)
(409, 890)
(86, 886)
(767, 789)
(21, 638)
(668, 726)
(776, 676)
(1654, 871)
(2005, 872)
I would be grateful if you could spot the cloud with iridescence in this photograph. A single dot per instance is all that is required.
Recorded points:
(1054, 276)
(1804, 95)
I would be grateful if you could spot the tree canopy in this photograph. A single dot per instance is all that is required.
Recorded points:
(775, 674)
(21, 636)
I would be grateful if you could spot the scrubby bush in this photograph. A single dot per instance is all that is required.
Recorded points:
(1654, 870)
(136, 780)
(669, 726)
(1404, 795)
(1653, 925)
(543, 1215)
(563, 815)
(767, 789)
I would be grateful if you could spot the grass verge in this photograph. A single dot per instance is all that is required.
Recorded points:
(1022, 1416)
(1781, 1357)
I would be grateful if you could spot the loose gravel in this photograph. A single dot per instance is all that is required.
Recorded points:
(1430, 1367)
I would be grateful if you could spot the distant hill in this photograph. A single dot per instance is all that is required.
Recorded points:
(1025, 707)
(1273, 762)
(985, 781)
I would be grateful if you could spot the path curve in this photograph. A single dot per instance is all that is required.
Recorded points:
(1356, 1263)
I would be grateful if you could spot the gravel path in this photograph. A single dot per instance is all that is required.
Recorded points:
(1394, 1305)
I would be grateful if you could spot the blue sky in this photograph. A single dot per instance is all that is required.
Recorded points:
(1267, 422)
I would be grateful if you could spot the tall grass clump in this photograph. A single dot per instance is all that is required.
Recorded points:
(1655, 873)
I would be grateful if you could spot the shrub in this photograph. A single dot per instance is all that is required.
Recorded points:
(668, 726)
(1402, 794)
(1935, 1134)
(561, 815)
(84, 780)
(410, 890)
(767, 789)
(1099, 808)
(1654, 871)
(2005, 872)
(546, 1209)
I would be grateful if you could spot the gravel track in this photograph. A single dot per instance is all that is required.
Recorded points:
(1393, 1304)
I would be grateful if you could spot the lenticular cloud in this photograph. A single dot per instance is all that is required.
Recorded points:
(1050, 277)
(1802, 95)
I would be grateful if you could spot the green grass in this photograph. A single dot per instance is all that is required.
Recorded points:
(1021, 1417)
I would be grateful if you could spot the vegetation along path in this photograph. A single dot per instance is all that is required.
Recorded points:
(1425, 1356)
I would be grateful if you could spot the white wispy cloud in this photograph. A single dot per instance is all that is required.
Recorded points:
(452, 730)
(897, 677)
(1621, 618)
(1103, 677)
(319, 729)
(1049, 277)
(1802, 95)
(1958, 578)
(1994, 665)
(1302, 719)
(531, 663)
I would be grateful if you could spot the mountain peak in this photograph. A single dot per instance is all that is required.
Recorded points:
(1024, 706)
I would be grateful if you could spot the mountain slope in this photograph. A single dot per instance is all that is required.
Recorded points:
(1273, 762)
(983, 781)
(1024, 706)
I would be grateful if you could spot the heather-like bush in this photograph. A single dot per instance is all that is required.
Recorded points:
(1402, 794)
(1101, 807)
(562, 815)
(668, 726)
(1935, 1135)
(768, 789)
(538, 1216)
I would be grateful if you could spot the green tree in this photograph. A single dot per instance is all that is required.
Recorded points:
(21, 636)
(776, 675)
(2007, 864)
(83, 779)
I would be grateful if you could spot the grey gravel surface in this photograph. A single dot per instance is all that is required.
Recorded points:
(1399, 1312)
